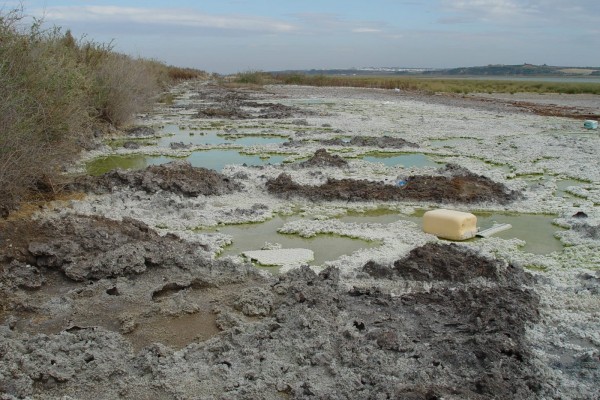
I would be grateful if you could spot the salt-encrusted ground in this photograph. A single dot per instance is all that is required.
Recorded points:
(527, 153)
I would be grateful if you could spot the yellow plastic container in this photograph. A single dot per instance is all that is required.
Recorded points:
(450, 224)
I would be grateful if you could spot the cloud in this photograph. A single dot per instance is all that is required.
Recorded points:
(166, 17)
(366, 30)
(519, 12)
(327, 23)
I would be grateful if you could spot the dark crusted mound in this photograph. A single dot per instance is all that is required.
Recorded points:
(94, 247)
(383, 142)
(447, 262)
(230, 104)
(322, 158)
(457, 185)
(178, 177)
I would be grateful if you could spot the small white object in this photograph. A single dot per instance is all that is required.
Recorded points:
(450, 224)
(280, 257)
(590, 124)
(497, 228)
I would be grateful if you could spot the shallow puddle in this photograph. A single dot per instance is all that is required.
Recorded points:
(563, 184)
(212, 159)
(535, 229)
(406, 160)
(254, 236)
(187, 136)
(174, 331)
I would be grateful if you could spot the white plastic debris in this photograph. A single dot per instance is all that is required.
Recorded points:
(450, 224)
(280, 257)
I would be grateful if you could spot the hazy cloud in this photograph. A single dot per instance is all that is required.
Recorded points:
(165, 17)
(320, 23)
(366, 30)
(500, 12)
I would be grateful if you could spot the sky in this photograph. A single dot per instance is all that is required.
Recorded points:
(228, 36)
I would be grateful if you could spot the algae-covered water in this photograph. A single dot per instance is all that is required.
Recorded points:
(213, 159)
(537, 230)
(254, 236)
(185, 135)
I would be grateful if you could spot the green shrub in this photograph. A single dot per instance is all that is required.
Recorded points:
(251, 78)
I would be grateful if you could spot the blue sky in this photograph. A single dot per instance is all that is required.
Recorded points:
(227, 36)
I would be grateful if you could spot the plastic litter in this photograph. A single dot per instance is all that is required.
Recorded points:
(450, 224)
(590, 124)
(497, 228)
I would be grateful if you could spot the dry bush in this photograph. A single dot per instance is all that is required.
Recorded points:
(123, 87)
(180, 74)
(43, 110)
(54, 89)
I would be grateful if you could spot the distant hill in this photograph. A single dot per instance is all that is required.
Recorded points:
(489, 70)
(521, 69)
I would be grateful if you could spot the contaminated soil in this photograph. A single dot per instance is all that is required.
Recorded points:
(455, 184)
(383, 142)
(178, 177)
(121, 293)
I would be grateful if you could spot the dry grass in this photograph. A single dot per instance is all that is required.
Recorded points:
(437, 85)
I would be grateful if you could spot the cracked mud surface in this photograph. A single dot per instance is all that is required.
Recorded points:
(123, 295)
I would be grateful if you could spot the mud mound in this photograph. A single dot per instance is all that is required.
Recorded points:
(274, 110)
(382, 142)
(225, 112)
(94, 247)
(237, 105)
(457, 185)
(447, 262)
(322, 158)
(177, 177)
(140, 131)
(587, 230)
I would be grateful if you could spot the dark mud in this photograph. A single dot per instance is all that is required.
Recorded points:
(92, 248)
(586, 230)
(234, 104)
(455, 185)
(303, 337)
(382, 142)
(178, 177)
(140, 131)
(551, 110)
(322, 158)
(448, 262)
